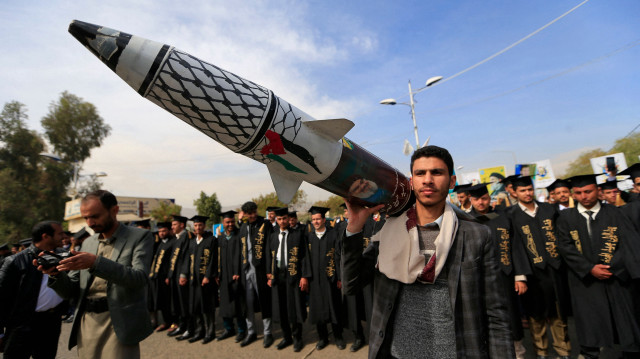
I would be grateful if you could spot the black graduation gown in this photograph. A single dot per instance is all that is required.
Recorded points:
(159, 272)
(180, 255)
(228, 266)
(289, 297)
(601, 305)
(203, 262)
(254, 237)
(547, 288)
(632, 211)
(513, 261)
(324, 295)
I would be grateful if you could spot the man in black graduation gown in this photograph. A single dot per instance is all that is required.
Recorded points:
(514, 265)
(353, 305)
(560, 192)
(462, 193)
(610, 192)
(546, 300)
(287, 276)
(179, 293)
(324, 286)
(254, 235)
(198, 274)
(228, 279)
(293, 221)
(632, 198)
(601, 250)
(159, 275)
(271, 217)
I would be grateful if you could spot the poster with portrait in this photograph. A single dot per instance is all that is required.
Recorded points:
(493, 176)
(528, 169)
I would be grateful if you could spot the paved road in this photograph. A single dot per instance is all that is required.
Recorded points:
(158, 346)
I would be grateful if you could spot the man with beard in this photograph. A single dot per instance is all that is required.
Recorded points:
(601, 250)
(324, 285)
(294, 225)
(29, 309)
(254, 236)
(546, 300)
(445, 302)
(228, 279)
(179, 293)
(462, 193)
(287, 276)
(198, 275)
(110, 276)
(560, 192)
(271, 217)
(514, 265)
(160, 275)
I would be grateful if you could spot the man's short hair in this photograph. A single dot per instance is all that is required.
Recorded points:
(249, 207)
(433, 151)
(107, 198)
(44, 227)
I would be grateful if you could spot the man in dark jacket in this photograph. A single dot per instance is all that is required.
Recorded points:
(446, 302)
(29, 309)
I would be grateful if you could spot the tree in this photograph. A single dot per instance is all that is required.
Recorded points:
(74, 128)
(630, 146)
(208, 206)
(165, 211)
(333, 203)
(271, 200)
(582, 164)
(19, 173)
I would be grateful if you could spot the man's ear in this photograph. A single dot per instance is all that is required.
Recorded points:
(115, 210)
(452, 181)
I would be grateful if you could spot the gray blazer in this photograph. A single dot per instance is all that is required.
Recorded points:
(126, 274)
(477, 297)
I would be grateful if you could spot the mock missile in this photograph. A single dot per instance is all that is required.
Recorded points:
(249, 119)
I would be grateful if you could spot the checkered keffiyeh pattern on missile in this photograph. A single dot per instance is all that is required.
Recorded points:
(225, 107)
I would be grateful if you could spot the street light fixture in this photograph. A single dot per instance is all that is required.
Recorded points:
(391, 101)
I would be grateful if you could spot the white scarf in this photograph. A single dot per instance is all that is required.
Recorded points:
(399, 254)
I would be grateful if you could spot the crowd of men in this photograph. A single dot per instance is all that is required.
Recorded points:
(533, 264)
(285, 270)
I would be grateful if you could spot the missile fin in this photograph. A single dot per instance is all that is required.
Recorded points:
(332, 129)
(286, 185)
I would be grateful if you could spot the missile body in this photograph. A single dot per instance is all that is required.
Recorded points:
(249, 119)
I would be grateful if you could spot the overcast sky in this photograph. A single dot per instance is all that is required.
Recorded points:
(573, 86)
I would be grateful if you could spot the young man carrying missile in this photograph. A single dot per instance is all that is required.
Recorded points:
(287, 276)
(325, 298)
(546, 300)
(446, 301)
(601, 250)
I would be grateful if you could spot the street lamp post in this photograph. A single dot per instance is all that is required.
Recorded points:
(391, 101)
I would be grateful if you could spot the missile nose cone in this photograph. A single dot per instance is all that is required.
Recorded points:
(105, 43)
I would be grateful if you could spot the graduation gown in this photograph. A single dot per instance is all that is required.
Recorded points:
(203, 262)
(632, 211)
(159, 272)
(285, 286)
(599, 306)
(324, 295)
(253, 247)
(228, 266)
(513, 261)
(179, 294)
(547, 288)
